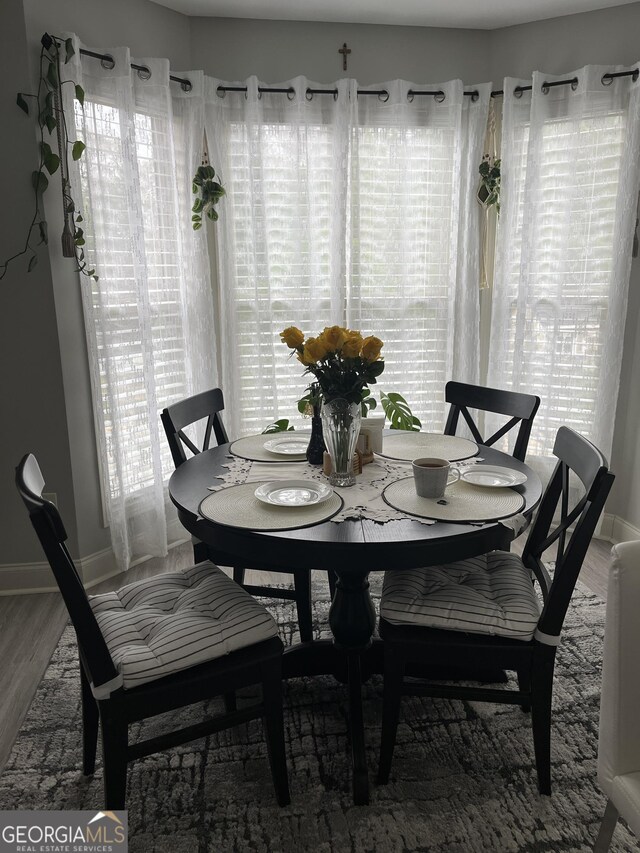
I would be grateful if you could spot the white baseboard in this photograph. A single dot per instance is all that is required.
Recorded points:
(616, 529)
(26, 578)
(29, 578)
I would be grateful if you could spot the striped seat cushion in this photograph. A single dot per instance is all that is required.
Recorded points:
(176, 620)
(490, 594)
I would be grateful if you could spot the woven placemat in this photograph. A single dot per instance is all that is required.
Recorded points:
(412, 445)
(237, 506)
(252, 447)
(465, 503)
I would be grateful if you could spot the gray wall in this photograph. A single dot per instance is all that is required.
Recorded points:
(233, 49)
(608, 36)
(50, 403)
(33, 402)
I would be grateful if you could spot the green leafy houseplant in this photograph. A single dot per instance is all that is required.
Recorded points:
(47, 104)
(209, 192)
(489, 190)
(396, 408)
(281, 425)
(398, 412)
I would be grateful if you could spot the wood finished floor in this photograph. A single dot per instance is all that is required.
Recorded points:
(31, 625)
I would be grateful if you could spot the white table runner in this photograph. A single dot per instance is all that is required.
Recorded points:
(364, 500)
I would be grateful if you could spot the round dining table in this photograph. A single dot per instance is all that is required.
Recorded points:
(351, 549)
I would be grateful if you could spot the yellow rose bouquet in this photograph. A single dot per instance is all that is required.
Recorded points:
(343, 362)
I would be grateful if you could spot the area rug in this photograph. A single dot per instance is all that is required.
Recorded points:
(463, 777)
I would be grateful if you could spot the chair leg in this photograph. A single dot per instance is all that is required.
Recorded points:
(392, 694)
(541, 691)
(200, 552)
(607, 827)
(238, 575)
(274, 729)
(114, 758)
(90, 719)
(524, 684)
(302, 583)
(332, 583)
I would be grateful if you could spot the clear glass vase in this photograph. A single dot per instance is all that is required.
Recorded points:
(341, 427)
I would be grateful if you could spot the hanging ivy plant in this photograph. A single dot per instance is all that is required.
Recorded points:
(47, 103)
(209, 194)
(489, 189)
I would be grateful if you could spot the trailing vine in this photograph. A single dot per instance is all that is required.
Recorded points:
(51, 116)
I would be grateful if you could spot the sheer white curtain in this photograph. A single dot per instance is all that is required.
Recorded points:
(149, 317)
(414, 241)
(281, 239)
(350, 210)
(569, 194)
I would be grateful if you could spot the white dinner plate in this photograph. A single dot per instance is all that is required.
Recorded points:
(493, 476)
(293, 492)
(290, 446)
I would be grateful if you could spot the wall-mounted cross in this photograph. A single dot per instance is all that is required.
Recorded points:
(344, 50)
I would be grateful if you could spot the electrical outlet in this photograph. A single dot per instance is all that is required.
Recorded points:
(51, 496)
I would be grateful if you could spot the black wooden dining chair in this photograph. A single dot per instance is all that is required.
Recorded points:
(519, 408)
(484, 612)
(208, 406)
(158, 645)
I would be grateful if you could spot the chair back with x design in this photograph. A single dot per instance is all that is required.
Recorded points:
(209, 405)
(52, 535)
(573, 531)
(520, 408)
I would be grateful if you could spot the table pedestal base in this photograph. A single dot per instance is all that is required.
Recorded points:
(352, 618)
(353, 668)
(352, 657)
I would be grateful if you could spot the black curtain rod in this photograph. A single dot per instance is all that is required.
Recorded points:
(438, 94)
(607, 79)
(109, 62)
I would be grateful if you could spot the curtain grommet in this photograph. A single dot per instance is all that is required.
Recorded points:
(545, 88)
(383, 96)
(636, 74)
(574, 84)
(143, 72)
(410, 96)
(108, 62)
(335, 94)
(221, 92)
(439, 97)
(606, 79)
(475, 96)
(308, 95)
(517, 92)
(186, 85)
(291, 94)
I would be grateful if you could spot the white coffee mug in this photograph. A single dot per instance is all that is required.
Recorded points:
(431, 476)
